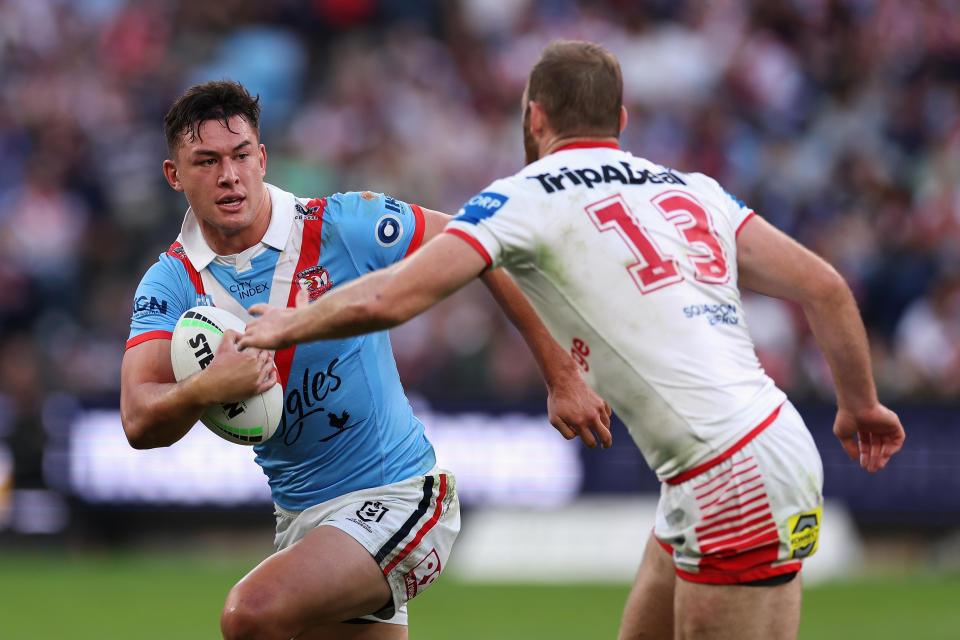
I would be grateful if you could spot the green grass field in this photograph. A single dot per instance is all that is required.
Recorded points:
(169, 596)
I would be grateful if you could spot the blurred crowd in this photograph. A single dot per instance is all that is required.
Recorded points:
(837, 120)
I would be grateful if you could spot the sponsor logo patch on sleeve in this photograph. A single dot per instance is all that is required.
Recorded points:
(483, 205)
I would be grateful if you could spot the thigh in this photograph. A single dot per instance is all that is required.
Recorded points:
(648, 613)
(325, 577)
(736, 612)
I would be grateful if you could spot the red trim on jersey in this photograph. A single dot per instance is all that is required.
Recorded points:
(193, 274)
(740, 444)
(418, 232)
(158, 334)
(587, 145)
(441, 493)
(473, 242)
(750, 215)
(309, 257)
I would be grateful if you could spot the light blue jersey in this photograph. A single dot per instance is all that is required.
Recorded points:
(347, 424)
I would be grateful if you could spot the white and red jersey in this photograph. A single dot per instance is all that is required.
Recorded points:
(633, 268)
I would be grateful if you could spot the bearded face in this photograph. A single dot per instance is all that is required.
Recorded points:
(530, 147)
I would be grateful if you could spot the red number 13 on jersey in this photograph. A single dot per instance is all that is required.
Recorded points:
(653, 270)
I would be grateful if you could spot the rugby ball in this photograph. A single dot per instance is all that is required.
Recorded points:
(192, 347)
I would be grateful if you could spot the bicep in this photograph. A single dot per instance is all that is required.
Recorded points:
(433, 222)
(436, 271)
(144, 363)
(774, 264)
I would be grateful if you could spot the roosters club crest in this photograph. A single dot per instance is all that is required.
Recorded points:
(315, 281)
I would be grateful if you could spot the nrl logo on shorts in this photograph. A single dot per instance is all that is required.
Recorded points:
(372, 511)
(315, 281)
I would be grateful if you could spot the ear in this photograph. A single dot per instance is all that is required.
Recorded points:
(170, 173)
(262, 150)
(623, 118)
(538, 118)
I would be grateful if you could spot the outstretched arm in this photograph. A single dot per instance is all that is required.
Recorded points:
(377, 300)
(773, 264)
(391, 296)
(574, 408)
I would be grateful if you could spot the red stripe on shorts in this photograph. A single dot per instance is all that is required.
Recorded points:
(755, 564)
(766, 532)
(727, 479)
(441, 492)
(740, 444)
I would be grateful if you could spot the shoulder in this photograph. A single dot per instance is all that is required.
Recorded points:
(491, 200)
(172, 275)
(363, 201)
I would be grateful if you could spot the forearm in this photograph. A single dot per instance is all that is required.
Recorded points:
(364, 305)
(554, 362)
(158, 414)
(836, 324)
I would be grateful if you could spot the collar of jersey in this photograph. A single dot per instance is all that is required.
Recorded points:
(587, 145)
(283, 207)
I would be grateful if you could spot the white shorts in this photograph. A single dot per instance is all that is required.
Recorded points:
(408, 527)
(754, 514)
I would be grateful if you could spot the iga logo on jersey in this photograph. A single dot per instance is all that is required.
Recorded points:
(315, 281)
(483, 205)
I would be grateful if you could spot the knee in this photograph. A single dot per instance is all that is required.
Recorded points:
(252, 616)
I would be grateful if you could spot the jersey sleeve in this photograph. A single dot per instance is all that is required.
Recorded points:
(735, 210)
(494, 223)
(378, 230)
(161, 298)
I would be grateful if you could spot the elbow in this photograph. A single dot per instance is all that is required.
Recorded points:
(136, 431)
(828, 289)
(383, 313)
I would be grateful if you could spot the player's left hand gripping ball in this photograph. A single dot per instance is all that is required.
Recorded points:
(195, 341)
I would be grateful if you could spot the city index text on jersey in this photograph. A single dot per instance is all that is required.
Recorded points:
(605, 174)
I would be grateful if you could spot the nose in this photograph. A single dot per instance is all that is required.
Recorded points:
(228, 173)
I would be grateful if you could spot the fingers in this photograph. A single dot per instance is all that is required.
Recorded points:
(258, 309)
(850, 446)
(587, 437)
(564, 430)
(603, 431)
(272, 377)
(303, 298)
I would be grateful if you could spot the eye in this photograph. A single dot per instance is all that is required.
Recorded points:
(206, 163)
(243, 155)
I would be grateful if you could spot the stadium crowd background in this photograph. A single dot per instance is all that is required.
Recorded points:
(838, 120)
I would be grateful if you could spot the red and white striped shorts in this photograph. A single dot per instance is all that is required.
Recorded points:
(409, 528)
(753, 515)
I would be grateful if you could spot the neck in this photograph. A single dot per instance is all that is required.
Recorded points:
(553, 143)
(226, 241)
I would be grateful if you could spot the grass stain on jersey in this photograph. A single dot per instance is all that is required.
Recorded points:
(551, 265)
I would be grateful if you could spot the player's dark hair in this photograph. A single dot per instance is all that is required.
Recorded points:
(580, 87)
(216, 100)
